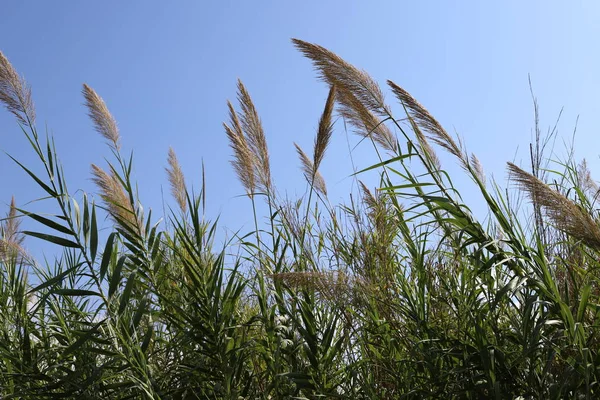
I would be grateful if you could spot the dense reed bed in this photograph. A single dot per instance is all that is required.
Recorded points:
(401, 293)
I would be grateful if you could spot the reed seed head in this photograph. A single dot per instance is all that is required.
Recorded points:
(428, 123)
(103, 120)
(177, 181)
(15, 93)
(115, 199)
(257, 141)
(359, 96)
(566, 215)
(313, 176)
(325, 129)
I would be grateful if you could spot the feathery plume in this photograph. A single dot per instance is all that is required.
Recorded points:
(360, 98)
(368, 197)
(344, 76)
(104, 122)
(585, 180)
(425, 121)
(11, 238)
(177, 180)
(313, 176)
(244, 160)
(565, 214)
(367, 124)
(325, 130)
(425, 146)
(257, 142)
(477, 168)
(12, 225)
(15, 93)
(114, 197)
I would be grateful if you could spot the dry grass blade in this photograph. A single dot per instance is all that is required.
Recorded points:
(104, 122)
(325, 129)
(256, 137)
(114, 197)
(312, 176)
(177, 181)
(244, 160)
(565, 214)
(15, 93)
(425, 121)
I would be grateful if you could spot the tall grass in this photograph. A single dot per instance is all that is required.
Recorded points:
(401, 293)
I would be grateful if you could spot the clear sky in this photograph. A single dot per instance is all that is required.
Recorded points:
(166, 69)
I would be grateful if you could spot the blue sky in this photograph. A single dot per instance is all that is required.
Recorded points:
(166, 69)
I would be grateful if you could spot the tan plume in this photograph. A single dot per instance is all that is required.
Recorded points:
(177, 181)
(15, 93)
(257, 141)
(325, 129)
(103, 120)
(243, 159)
(426, 122)
(369, 199)
(344, 76)
(11, 238)
(360, 98)
(478, 168)
(313, 177)
(366, 123)
(115, 199)
(426, 148)
(566, 215)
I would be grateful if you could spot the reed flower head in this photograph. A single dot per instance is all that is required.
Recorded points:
(359, 96)
(312, 176)
(566, 215)
(177, 181)
(325, 129)
(103, 120)
(425, 121)
(255, 135)
(11, 238)
(115, 199)
(243, 160)
(15, 93)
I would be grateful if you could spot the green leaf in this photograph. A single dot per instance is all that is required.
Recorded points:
(94, 234)
(116, 276)
(54, 280)
(35, 178)
(108, 250)
(127, 292)
(75, 292)
(53, 239)
(48, 222)
(583, 302)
